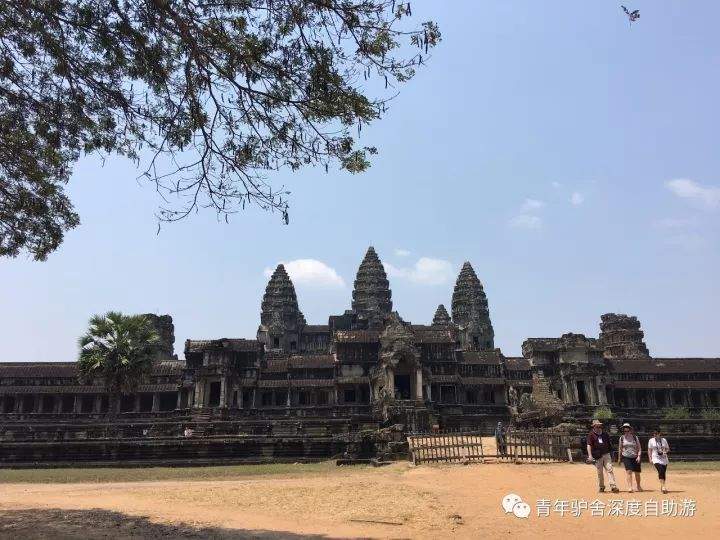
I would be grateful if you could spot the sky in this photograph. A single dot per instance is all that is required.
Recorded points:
(570, 157)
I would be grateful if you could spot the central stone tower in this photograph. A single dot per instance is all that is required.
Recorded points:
(371, 297)
(281, 321)
(470, 311)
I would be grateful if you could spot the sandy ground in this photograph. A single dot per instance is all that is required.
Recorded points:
(415, 502)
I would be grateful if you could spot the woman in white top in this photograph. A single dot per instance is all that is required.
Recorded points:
(658, 454)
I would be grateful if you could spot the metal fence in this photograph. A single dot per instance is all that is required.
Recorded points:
(467, 446)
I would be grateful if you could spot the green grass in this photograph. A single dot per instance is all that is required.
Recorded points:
(694, 466)
(227, 472)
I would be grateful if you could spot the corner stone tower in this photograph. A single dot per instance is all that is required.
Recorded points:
(371, 297)
(441, 317)
(470, 311)
(621, 337)
(281, 320)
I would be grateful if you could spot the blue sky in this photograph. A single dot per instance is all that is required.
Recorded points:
(572, 159)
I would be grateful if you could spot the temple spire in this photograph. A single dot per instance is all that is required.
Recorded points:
(470, 310)
(371, 295)
(441, 317)
(280, 317)
(279, 297)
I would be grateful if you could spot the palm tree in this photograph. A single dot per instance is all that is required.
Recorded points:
(119, 349)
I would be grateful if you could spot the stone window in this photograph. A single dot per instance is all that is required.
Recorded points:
(67, 404)
(87, 403)
(350, 396)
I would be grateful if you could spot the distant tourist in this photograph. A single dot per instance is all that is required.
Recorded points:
(188, 432)
(658, 449)
(500, 439)
(630, 452)
(599, 451)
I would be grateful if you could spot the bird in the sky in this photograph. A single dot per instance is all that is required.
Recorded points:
(632, 15)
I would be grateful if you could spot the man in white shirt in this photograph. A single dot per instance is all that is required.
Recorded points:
(658, 454)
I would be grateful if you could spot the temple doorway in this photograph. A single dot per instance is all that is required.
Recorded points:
(582, 394)
(214, 397)
(403, 386)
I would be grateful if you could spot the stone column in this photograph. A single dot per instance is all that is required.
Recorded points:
(223, 391)
(241, 391)
(199, 394)
(418, 384)
(178, 403)
(391, 382)
(98, 404)
(18, 403)
(136, 406)
(77, 403)
(156, 402)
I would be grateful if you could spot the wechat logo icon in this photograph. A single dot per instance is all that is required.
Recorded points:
(513, 504)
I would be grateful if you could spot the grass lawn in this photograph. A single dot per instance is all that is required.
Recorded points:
(694, 466)
(226, 472)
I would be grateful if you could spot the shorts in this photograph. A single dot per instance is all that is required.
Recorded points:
(661, 470)
(631, 464)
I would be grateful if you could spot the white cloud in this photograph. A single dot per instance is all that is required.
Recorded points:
(707, 196)
(577, 198)
(401, 252)
(531, 204)
(425, 271)
(526, 221)
(556, 185)
(311, 272)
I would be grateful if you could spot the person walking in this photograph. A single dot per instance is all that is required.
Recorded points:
(599, 450)
(629, 453)
(658, 450)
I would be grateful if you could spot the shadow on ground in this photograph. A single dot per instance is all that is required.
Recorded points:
(91, 524)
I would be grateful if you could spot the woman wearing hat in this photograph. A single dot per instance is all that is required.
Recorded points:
(629, 453)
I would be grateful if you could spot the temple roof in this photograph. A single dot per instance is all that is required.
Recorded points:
(491, 357)
(430, 334)
(69, 369)
(357, 336)
(316, 329)
(515, 363)
(238, 345)
(665, 365)
(312, 361)
(371, 293)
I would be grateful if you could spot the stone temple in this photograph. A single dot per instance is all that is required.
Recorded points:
(302, 390)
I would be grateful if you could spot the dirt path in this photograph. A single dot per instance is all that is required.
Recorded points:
(415, 502)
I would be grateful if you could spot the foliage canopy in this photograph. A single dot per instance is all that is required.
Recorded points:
(118, 349)
(208, 94)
